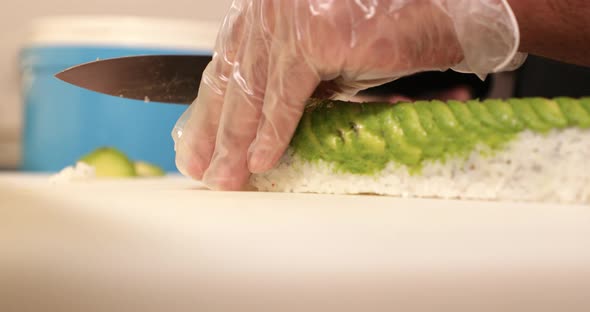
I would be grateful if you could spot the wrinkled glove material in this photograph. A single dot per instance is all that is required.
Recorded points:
(273, 55)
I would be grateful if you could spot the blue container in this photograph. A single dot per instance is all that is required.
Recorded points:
(63, 122)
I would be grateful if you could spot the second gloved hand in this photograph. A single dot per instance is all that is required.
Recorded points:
(271, 55)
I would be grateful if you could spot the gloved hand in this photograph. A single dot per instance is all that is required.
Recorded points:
(271, 55)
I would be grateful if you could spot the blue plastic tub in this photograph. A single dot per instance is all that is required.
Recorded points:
(63, 122)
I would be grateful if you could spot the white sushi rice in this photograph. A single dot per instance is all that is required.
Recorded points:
(534, 167)
(81, 171)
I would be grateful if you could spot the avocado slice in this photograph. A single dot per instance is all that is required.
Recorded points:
(525, 112)
(480, 111)
(585, 102)
(467, 119)
(435, 145)
(109, 162)
(444, 118)
(410, 122)
(146, 169)
(549, 111)
(574, 112)
(397, 143)
(504, 114)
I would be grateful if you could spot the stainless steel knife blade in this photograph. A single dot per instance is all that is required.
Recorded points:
(170, 79)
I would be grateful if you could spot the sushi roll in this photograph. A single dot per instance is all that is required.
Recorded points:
(528, 149)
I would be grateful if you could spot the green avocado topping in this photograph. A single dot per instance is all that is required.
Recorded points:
(110, 162)
(363, 138)
(574, 112)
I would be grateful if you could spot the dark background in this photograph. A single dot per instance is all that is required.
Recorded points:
(537, 77)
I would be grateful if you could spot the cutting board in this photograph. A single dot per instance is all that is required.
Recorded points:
(170, 244)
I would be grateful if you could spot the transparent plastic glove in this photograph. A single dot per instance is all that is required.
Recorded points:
(271, 55)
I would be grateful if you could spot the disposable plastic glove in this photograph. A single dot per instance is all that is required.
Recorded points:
(271, 55)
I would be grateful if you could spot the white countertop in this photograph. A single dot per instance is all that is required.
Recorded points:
(169, 241)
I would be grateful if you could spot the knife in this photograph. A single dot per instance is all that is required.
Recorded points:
(172, 79)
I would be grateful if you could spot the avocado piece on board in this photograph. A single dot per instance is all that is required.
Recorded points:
(147, 170)
(109, 162)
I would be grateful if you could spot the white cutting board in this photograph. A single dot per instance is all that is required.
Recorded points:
(162, 243)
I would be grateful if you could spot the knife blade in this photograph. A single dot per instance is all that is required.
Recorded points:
(170, 79)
